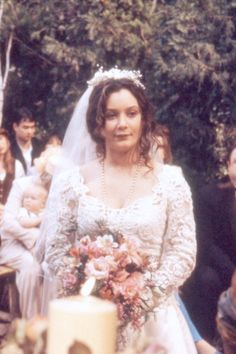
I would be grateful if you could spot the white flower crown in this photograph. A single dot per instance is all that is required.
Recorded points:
(116, 74)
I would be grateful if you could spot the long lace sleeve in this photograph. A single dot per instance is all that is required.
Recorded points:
(60, 222)
(179, 245)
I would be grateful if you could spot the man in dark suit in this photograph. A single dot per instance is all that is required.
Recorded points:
(24, 146)
(215, 213)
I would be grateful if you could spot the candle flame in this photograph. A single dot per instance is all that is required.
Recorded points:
(88, 286)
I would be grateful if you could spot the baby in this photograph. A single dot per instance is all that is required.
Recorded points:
(33, 203)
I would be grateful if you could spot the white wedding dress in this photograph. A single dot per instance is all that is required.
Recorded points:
(162, 221)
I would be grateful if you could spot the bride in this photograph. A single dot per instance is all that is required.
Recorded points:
(118, 180)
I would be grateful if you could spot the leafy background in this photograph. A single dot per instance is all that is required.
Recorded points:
(185, 49)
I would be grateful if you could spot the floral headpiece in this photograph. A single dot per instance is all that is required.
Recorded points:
(116, 74)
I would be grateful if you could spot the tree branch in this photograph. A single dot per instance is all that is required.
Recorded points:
(8, 54)
(153, 8)
(1, 11)
(34, 52)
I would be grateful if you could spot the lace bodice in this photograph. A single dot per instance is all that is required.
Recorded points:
(162, 223)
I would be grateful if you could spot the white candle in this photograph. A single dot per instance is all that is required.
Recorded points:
(86, 319)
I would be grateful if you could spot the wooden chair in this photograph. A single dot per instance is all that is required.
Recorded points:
(9, 290)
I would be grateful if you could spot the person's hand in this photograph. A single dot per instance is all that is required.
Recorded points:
(30, 237)
(203, 347)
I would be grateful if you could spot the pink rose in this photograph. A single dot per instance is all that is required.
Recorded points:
(131, 286)
(69, 280)
(120, 276)
(94, 251)
(98, 268)
(102, 246)
(74, 252)
(128, 254)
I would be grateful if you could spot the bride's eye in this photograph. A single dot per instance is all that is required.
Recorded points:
(110, 115)
(132, 114)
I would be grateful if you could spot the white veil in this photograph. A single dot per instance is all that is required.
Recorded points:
(78, 148)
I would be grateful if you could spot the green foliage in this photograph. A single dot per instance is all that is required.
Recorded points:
(193, 62)
(185, 49)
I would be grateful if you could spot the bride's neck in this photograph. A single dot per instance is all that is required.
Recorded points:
(122, 159)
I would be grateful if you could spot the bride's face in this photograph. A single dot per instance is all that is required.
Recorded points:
(123, 121)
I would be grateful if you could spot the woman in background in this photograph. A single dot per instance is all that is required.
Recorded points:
(53, 139)
(10, 168)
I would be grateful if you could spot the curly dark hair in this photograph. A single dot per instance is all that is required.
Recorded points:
(97, 110)
(161, 135)
(8, 159)
(230, 146)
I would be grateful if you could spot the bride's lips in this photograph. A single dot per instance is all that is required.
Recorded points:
(122, 136)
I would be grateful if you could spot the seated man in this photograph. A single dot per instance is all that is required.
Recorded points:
(215, 212)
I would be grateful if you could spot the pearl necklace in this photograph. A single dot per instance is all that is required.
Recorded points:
(132, 186)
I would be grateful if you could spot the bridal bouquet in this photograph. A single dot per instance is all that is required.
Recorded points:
(118, 266)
